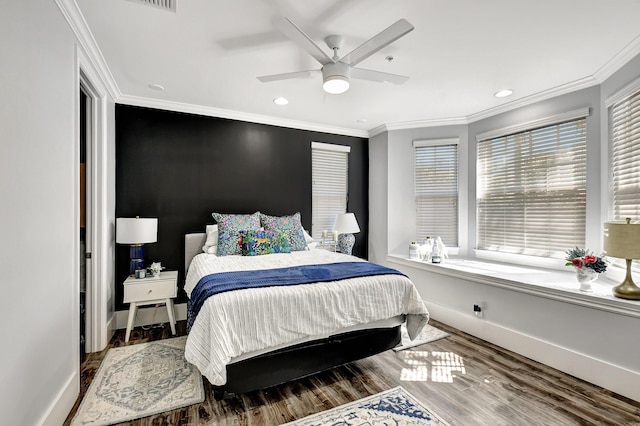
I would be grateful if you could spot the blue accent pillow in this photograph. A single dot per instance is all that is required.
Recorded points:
(256, 243)
(229, 227)
(291, 225)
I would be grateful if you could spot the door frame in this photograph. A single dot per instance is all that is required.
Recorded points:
(99, 304)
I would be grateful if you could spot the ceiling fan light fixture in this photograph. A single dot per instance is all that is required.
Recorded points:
(335, 84)
(335, 78)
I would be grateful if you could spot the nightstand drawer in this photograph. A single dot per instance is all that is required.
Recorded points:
(149, 290)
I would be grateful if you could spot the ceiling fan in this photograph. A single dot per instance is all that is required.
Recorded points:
(337, 71)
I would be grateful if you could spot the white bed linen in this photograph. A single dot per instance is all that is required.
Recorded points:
(234, 323)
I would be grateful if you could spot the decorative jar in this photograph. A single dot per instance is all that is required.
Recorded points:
(585, 277)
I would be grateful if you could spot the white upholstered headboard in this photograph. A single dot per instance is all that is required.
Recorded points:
(192, 245)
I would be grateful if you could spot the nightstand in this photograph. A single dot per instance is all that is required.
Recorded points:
(151, 291)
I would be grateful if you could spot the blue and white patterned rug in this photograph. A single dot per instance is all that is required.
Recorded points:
(393, 407)
(140, 380)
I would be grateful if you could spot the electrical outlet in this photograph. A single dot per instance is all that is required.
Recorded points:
(478, 311)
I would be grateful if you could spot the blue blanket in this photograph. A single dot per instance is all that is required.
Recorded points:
(212, 284)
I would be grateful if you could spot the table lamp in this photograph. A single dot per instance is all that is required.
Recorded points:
(136, 232)
(622, 239)
(346, 225)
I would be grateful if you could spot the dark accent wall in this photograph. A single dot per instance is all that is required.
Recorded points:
(182, 167)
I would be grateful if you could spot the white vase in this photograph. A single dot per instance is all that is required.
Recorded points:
(585, 277)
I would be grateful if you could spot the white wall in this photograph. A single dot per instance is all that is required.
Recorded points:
(402, 207)
(586, 342)
(39, 361)
(378, 196)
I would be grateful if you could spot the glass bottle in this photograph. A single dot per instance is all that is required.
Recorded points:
(435, 253)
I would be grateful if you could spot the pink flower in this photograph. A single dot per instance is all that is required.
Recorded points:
(590, 259)
(577, 262)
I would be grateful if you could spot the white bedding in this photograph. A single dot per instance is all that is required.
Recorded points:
(243, 321)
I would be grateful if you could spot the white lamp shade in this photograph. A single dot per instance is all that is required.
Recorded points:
(346, 223)
(135, 230)
(622, 239)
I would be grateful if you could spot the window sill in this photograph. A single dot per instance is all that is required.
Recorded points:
(552, 284)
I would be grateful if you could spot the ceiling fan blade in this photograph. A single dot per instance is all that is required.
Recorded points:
(378, 76)
(371, 46)
(288, 75)
(294, 33)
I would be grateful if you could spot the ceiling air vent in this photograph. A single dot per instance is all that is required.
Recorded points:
(169, 5)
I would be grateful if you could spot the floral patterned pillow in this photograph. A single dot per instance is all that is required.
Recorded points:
(229, 227)
(290, 224)
(256, 243)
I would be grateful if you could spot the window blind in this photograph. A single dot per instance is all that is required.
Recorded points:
(624, 128)
(531, 194)
(436, 191)
(330, 168)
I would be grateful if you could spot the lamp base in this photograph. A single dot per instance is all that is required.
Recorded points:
(627, 290)
(136, 258)
(345, 243)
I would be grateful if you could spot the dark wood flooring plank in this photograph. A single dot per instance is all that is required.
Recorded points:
(465, 380)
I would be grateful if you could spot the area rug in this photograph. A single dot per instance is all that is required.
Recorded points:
(392, 407)
(428, 334)
(140, 380)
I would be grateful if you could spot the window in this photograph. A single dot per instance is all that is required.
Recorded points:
(436, 190)
(531, 194)
(624, 128)
(330, 167)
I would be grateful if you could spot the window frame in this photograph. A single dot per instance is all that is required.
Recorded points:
(317, 228)
(623, 95)
(577, 114)
(422, 143)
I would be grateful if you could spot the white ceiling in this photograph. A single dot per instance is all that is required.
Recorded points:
(208, 54)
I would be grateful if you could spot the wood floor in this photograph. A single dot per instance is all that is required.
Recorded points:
(465, 380)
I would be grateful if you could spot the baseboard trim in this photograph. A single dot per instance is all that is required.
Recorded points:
(59, 409)
(151, 315)
(111, 327)
(585, 367)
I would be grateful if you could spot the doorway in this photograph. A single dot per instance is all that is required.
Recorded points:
(85, 197)
(95, 212)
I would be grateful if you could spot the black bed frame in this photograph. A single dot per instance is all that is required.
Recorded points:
(295, 362)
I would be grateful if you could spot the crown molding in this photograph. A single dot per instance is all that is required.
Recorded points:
(453, 121)
(535, 98)
(377, 130)
(528, 100)
(622, 58)
(80, 28)
(238, 115)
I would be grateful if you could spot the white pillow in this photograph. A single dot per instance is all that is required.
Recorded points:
(211, 245)
(308, 238)
(311, 244)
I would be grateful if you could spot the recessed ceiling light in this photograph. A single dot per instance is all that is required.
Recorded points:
(280, 101)
(156, 87)
(503, 93)
(361, 120)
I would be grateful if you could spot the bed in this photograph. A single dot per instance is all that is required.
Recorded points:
(244, 340)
